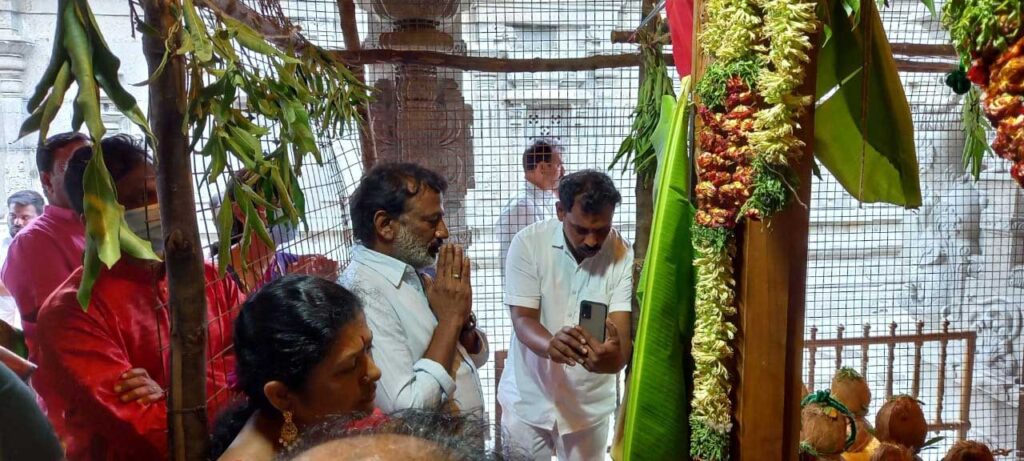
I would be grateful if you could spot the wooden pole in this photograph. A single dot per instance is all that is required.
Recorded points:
(350, 33)
(186, 405)
(771, 284)
(644, 214)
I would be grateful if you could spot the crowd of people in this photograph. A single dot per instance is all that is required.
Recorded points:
(307, 361)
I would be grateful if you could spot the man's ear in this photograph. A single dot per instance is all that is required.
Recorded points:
(560, 210)
(384, 226)
(46, 178)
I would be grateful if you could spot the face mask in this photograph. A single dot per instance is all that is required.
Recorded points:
(283, 233)
(145, 222)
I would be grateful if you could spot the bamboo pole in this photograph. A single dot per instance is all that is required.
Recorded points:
(186, 405)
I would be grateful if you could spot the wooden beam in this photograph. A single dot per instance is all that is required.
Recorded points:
(349, 29)
(489, 64)
(183, 258)
(910, 65)
(771, 283)
(923, 49)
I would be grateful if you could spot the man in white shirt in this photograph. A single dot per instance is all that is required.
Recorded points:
(542, 169)
(23, 207)
(558, 388)
(425, 338)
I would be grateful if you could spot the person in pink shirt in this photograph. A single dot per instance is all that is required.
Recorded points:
(50, 248)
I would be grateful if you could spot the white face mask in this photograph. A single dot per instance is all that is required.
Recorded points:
(145, 222)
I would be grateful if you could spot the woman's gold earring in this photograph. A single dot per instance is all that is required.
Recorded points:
(289, 433)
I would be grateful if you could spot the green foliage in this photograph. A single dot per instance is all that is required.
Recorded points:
(712, 86)
(984, 27)
(706, 443)
(637, 145)
(863, 133)
(715, 238)
(656, 420)
(771, 189)
(975, 137)
(305, 91)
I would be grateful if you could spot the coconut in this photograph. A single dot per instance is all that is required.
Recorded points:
(892, 452)
(850, 388)
(901, 421)
(863, 436)
(823, 429)
(969, 450)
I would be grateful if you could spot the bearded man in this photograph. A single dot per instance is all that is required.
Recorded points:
(425, 339)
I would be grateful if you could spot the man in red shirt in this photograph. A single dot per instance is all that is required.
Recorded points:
(85, 354)
(47, 250)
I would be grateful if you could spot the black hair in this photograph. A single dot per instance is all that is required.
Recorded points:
(282, 332)
(593, 189)
(388, 187)
(459, 436)
(27, 197)
(539, 152)
(49, 147)
(121, 153)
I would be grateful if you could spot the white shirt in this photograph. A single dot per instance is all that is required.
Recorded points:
(531, 205)
(541, 273)
(402, 323)
(8, 307)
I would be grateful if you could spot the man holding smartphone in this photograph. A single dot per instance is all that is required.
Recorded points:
(557, 391)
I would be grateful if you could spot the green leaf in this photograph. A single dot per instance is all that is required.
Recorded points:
(135, 246)
(887, 171)
(197, 32)
(930, 4)
(225, 220)
(975, 137)
(657, 405)
(58, 56)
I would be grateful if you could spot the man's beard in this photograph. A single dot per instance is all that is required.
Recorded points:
(14, 230)
(411, 251)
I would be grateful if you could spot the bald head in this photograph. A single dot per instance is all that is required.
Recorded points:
(376, 447)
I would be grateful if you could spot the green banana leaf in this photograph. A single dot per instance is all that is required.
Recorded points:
(887, 171)
(657, 406)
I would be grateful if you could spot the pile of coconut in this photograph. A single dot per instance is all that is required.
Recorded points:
(835, 426)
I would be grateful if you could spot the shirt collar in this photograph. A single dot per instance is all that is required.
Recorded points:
(390, 268)
(57, 213)
(535, 192)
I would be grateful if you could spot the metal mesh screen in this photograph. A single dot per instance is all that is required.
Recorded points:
(926, 279)
(956, 259)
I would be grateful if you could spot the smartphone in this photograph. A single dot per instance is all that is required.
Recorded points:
(592, 318)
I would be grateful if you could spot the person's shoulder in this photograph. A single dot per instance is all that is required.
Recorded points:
(540, 231)
(620, 246)
(64, 301)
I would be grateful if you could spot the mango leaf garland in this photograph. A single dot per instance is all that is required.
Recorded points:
(292, 92)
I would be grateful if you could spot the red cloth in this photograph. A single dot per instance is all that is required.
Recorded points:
(83, 354)
(680, 23)
(40, 258)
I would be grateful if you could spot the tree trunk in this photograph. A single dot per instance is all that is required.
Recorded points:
(186, 405)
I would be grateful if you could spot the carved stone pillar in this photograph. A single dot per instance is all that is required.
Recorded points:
(420, 114)
(17, 159)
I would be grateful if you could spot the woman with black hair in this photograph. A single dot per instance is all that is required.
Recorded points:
(303, 354)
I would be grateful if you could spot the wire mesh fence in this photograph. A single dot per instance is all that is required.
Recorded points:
(881, 271)
(958, 259)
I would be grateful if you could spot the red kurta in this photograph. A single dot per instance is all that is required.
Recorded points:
(83, 354)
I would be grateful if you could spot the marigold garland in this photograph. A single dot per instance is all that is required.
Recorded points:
(749, 111)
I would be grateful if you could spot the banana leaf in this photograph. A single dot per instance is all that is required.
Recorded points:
(657, 406)
(887, 171)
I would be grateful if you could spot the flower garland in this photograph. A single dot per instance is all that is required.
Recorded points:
(989, 37)
(749, 111)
